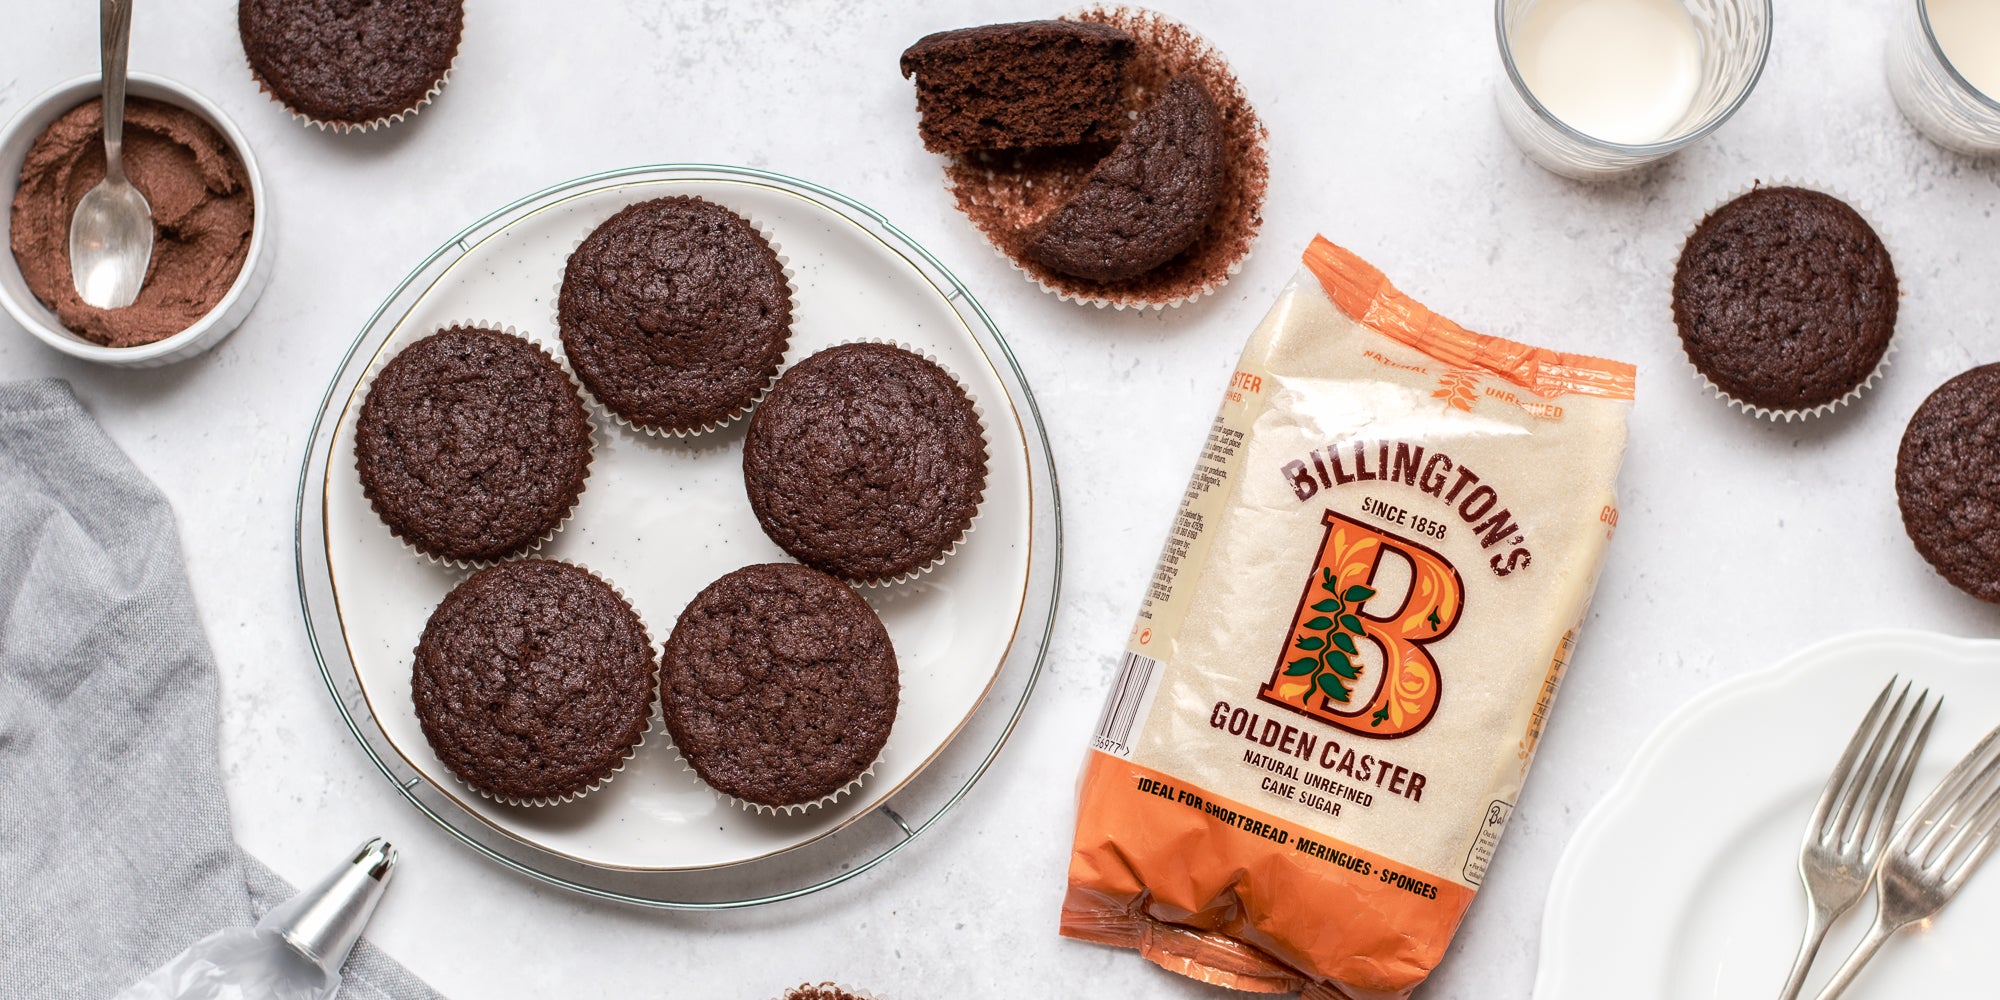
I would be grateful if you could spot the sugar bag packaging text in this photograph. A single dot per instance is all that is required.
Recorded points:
(1349, 648)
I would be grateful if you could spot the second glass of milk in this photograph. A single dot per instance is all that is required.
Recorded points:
(1594, 88)
(1944, 69)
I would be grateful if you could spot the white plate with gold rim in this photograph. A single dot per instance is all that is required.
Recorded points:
(661, 518)
(1683, 883)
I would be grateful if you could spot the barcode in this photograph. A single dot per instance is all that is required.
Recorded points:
(1122, 705)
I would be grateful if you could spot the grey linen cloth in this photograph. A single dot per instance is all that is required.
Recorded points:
(115, 850)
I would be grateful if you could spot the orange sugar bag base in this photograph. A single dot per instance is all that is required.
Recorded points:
(1349, 647)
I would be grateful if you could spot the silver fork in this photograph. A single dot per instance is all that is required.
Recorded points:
(1855, 814)
(1954, 829)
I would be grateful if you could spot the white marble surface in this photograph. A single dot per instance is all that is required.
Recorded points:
(1740, 540)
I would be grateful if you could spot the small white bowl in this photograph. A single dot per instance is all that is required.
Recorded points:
(206, 332)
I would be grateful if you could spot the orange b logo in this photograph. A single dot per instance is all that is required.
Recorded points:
(1321, 667)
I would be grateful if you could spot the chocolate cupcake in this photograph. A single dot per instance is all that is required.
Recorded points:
(1948, 481)
(1147, 201)
(534, 681)
(780, 686)
(824, 991)
(1785, 299)
(1015, 196)
(1035, 83)
(349, 66)
(472, 444)
(675, 313)
(867, 461)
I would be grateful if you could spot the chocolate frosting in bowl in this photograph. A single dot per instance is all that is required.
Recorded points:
(202, 215)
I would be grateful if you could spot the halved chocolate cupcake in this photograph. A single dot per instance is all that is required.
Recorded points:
(472, 444)
(867, 461)
(675, 313)
(1008, 86)
(1155, 209)
(780, 684)
(1146, 202)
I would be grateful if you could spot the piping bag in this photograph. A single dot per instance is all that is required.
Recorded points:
(294, 953)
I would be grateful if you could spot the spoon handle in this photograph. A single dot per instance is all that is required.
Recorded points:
(115, 31)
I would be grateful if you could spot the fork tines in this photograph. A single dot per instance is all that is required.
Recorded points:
(1850, 813)
(1958, 824)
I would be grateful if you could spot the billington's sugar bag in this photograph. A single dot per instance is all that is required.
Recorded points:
(1350, 645)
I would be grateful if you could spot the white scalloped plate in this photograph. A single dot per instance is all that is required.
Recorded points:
(1683, 883)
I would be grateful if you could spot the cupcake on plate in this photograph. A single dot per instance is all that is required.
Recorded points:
(780, 686)
(534, 682)
(473, 445)
(675, 313)
(351, 67)
(867, 461)
(1785, 300)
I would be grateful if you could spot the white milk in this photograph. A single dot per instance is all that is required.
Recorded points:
(1969, 33)
(1620, 70)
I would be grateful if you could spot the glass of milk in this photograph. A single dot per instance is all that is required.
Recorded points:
(1944, 69)
(1595, 88)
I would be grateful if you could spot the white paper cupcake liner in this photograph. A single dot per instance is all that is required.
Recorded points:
(1889, 243)
(985, 446)
(793, 809)
(368, 382)
(1206, 52)
(655, 720)
(791, 290)
(344, 128)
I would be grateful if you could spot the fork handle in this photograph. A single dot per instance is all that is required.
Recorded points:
(1818, 922)
(1878, 935)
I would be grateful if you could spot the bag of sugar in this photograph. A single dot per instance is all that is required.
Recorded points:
(1349, 647)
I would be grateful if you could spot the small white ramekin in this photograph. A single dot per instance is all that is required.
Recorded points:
(208, 331)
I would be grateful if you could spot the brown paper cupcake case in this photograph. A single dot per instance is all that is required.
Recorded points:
(791, 288)
(1142, 23)
(1889, 242)
(468, 565)
(655, 719)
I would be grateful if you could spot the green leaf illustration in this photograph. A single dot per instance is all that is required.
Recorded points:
(1311, 643)
(1332, 607)
(1333, 688)
(1301, 666)
(1359, 593)
(1320, 624)
(1342, 665)
(1351, 623)
(1346, 644)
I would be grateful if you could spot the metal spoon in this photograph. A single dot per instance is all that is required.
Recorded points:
(111, 234)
